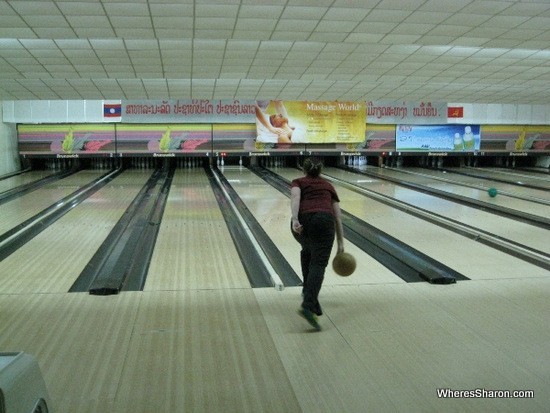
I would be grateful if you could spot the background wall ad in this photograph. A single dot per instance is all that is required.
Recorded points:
(291, 122)
(241, 139)
(448, 138)
(515, 138)
(379, 138)
(164, 138)
(66, 139)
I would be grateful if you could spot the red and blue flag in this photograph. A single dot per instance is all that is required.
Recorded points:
(112, 110)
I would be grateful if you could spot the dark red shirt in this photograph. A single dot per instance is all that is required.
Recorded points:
(316, 194)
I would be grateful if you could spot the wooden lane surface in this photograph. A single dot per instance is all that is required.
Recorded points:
(468, 257)
(203, 351)
(160, 351)
(194, 249)
(384, 348)
(52, 260)
(22, 179)
(507, 228)
(522, 175)
(22, 208)
(389, 347)
(521, 205)
(80, 342)
(471, 180)
(272, 210)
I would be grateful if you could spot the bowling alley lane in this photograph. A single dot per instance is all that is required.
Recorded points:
(521, 205)
(194, 249)
(22, 179)
(468, 257)
(52, 260)
(389, 347)
(272, 210)
(521, 175)
(507, 228)
(24, 207)
(448, 176)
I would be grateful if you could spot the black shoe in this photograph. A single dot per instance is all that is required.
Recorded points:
(318, 310)
(310, 317)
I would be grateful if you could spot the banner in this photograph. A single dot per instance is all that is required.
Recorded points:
(448, 138)
(515, 138)
(380, 138)
(241, 139)
(66, 140)
(397, 112)
(188, 111)
(290, 122)
(163, 140)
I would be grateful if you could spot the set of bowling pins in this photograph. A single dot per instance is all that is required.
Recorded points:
(101, 163)
(188, 162)
(143, 162)
(356, 160)
(272, 161)
(59, 164)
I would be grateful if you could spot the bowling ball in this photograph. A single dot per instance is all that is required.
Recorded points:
(296, 236)
(344, 264)
(492, 192)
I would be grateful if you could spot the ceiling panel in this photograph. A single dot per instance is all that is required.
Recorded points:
(490, 51)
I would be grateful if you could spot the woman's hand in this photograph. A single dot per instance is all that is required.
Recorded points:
(296, 226)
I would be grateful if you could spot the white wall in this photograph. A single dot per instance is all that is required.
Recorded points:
(503, 114)
(53, 111)
(9, 153)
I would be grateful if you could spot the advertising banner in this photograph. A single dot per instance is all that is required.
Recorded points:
(236, 137)
(66, 140)
(515, 138)
(447, 138)
(290, 122)
(380, 138)
(163, 140)
(241, 139)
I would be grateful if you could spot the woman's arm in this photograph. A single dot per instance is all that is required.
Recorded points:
(339, 226)
(295, 195)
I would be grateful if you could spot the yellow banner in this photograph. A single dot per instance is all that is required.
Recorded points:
(287, 122)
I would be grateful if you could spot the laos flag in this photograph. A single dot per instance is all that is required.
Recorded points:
(112, 109)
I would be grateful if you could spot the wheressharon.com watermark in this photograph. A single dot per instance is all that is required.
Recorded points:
(485, 394)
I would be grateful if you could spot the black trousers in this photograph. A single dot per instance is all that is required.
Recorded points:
(317, 240)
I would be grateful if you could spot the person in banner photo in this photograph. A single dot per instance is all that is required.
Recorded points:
(316, 216)
(276, 127)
